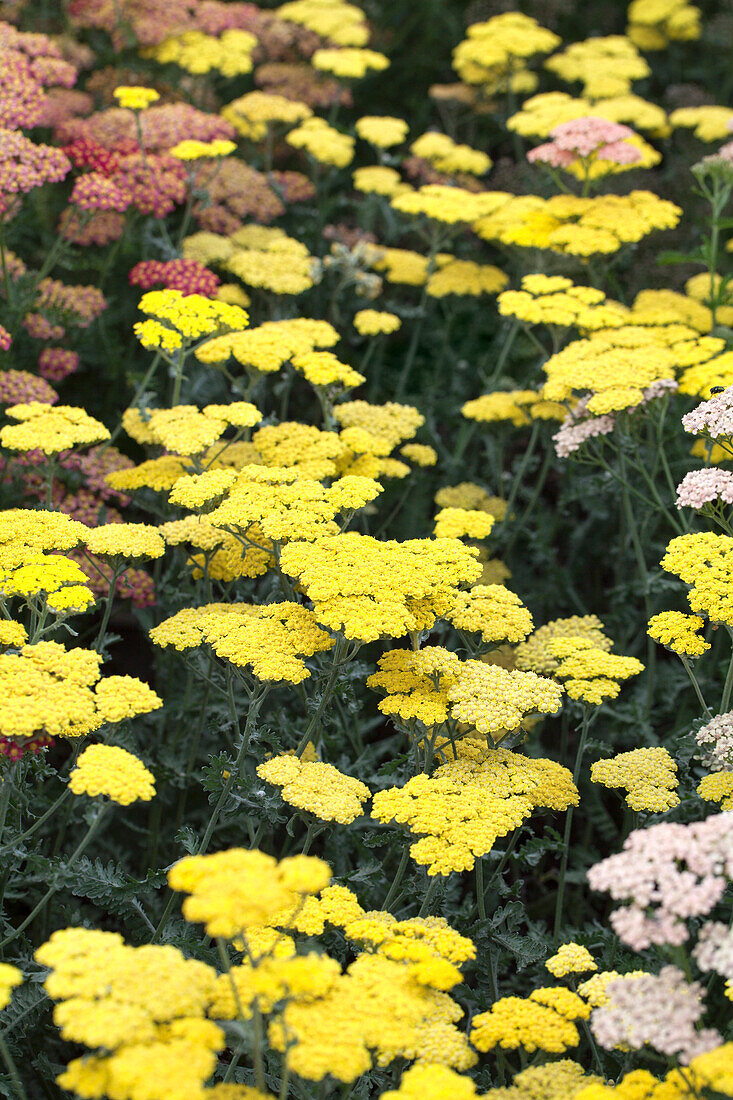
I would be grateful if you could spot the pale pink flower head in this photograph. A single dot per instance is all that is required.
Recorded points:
(716, 740)
(706, 486)
(660, 1010)
(591, 136)
(578, 427)
(665, 875)
(713, 417)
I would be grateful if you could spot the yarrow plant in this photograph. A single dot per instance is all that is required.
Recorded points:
(366, 551)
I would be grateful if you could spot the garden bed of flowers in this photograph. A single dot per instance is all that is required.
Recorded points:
(366, 550)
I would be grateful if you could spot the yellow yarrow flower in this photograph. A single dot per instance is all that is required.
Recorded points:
(383, 131)
(316, 787)
(570, 958)
(10, 977)
(134, 97)
(50, 428)
(649, 776)
(371, 322)
(114, 772)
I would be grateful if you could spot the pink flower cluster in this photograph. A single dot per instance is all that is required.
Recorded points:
(5, 339)
(82, 302)
(661, 1010)
(14, 750)
(24, 165)
(55, 364)
(716, 738)
(18, 387)
(31, 62)
(714, 949)
(701, 487)
(667, 874)
(582, 138)
(713, 417)
(96, 192)
(188, 276)
(162, 126)
(577, 428)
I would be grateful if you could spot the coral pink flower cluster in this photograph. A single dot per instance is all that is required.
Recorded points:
(188, 276)
(667, 874)
(55, 364)
(582, 138)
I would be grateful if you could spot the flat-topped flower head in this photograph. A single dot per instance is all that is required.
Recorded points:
(492, 611)
(234, 890)
(648, 775)
(316, 787)
(50, 428)
(679, 633)
(134, 97)
(126, 541)
(383, 131)
(113, 772)
(570, 958)
(272, 640)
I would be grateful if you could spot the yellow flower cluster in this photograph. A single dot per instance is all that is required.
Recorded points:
(702, 561)
(196, 490)
(12, 635)
(709, 1071)
(679, 632)
(349, 62)
(191, 149)
(446, 155)
(653, 24)
(494, 51)
(461, 810)
(253, 113)
(490, 698)
(196, 52)
(465, 277)
(379, 179)
(573, 225)
(469, 495)
(534, 655)
(369, 589)
(492, 611)
(605, 67)
(265, 257)
(570, 958)
(708, 123)
(717, 787)
(230, 891)
(302, 447)
(513, 405)
(114, 772)
(386, 426)
(10, 977)
(181, 318)
(324, 369)
(125, 540)
(458, 523)
(135, 98)
(382, 130)
(542, 1021)
(372, 322)
(286, 505)
(140, 1009)
(589, 672)
(316, 787)
(420, 454)
(443, 203)
(555, 300)
(649, 776)
(540, 114)
(268, 347)
(48, 690)
(416, 683)
(270, 639)
(324, 143)
(377, 1010)
(60, 582)
(341, 22)
(50, 428)
(432, 1083)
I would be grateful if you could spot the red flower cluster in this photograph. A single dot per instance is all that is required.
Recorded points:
(188, 276)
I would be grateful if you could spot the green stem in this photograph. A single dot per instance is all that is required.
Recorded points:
(569, 825)
(7, 1058)
(76, 854)
(480, 889)
(99, 641)
(428, 897)
(728, 687)
(338, 660)
(65, 794)
(392, 892)
(695, 684)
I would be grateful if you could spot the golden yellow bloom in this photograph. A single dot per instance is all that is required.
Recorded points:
(679, 632)
(190, 149)
(50, 428)
(457, 523)
(570, 958)
(125, 540)
(542, 1021)
(382, 130)
(316, 787)
(10, 977)
(254, 112)
(447, 156)
(371, 322)
(324, 143)
(717, 787)
(649, 776)
(135, 98)
(492, 611)
(350, 63)
(114, 772)
(232, 890)
(229, 54)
